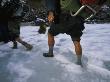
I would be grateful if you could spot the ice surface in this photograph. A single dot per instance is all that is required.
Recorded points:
(20, 65)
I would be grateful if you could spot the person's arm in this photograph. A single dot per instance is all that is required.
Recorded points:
(50, 4)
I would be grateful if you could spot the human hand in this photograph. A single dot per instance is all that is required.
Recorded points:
(50, 17)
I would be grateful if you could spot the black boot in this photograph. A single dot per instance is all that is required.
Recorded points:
(14, 45)
(50, 53)
(28, 46)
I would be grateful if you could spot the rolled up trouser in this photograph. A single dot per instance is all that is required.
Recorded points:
(14, 29)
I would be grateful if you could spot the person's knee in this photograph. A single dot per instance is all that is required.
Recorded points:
(77, 44)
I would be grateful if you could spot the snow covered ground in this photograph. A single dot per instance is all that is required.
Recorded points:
(20, 65)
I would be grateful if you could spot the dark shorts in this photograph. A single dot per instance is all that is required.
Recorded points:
(70, 25)
(14, 29)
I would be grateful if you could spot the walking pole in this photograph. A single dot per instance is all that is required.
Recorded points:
(82, 8)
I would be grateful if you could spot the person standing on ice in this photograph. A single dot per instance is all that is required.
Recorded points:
(63, 19)
(10, 17)
(14, 24)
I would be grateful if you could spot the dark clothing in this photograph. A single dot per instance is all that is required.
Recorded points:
(50, 5)
(14, 22)
(10, 14)
(9, 31)
(14, 29)
(7, 9)
(72, 26)
(64, 22)
(4, 34)
(4, 17)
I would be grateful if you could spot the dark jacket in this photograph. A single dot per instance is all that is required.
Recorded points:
(7, 28)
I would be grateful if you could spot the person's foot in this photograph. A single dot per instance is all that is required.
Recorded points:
(28, 46)
(79, 62)
(14, 45)
(48, 55)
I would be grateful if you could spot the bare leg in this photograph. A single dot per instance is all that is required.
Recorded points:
(78, 50)
(28, 46)
(51, 45)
